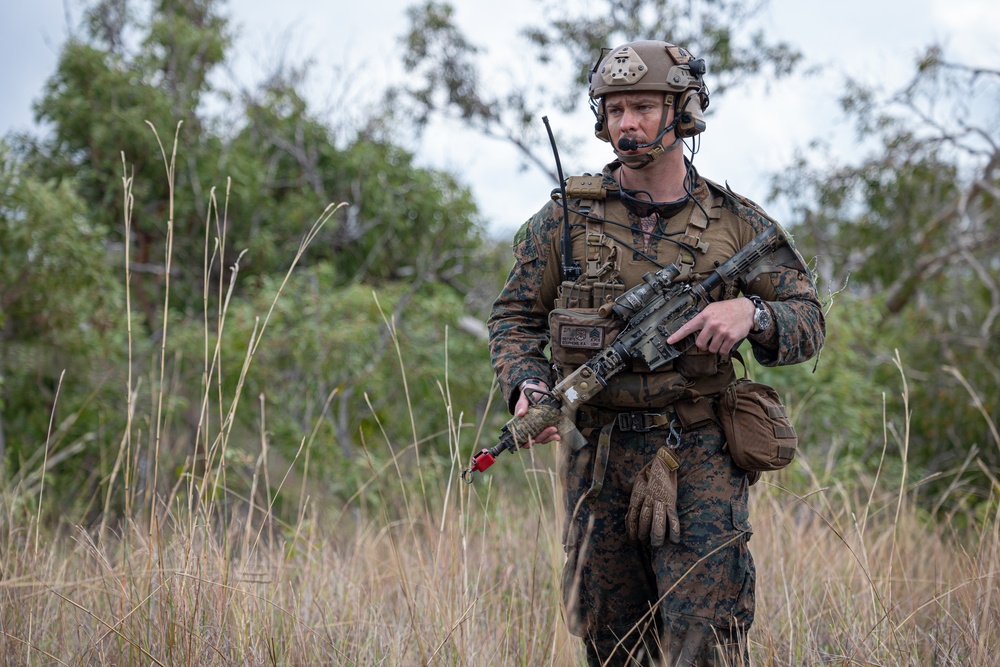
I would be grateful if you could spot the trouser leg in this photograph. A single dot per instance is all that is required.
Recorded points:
(706, 583)
(694, 601)
(609, 587)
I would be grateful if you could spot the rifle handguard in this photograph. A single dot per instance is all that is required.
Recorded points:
(652, 310)
(538, 418)
(515, 434)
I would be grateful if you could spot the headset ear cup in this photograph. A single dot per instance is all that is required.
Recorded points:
(601, 132)
(690, 114)
(601, 127)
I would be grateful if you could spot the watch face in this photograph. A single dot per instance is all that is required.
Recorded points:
(761, 315)
(761, 318)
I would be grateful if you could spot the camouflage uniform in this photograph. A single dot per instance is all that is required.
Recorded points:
(681, 601)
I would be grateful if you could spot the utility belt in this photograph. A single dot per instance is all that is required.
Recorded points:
(627, 422)
(684, 414)
(677, 418)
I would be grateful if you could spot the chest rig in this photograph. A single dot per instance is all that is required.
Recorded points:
(605, 243)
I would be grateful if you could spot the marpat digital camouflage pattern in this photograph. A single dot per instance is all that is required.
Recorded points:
(690, 602)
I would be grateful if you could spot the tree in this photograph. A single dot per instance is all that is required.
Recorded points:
(219, 214)
(100, 104)
(61, 309)
(557, 58)
(914, 227)
(403, 222)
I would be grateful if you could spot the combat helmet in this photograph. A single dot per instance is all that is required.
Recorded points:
(658, 66)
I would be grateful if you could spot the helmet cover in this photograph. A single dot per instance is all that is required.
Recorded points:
(651, 65)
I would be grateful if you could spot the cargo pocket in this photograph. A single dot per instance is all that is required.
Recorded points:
(741, 517)
(744, 571)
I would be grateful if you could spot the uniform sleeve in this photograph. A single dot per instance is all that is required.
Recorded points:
(800, 326)
(518, 322)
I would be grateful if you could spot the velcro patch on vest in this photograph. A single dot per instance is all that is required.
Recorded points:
(581, 337)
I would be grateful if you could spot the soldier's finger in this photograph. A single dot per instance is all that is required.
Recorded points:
(632, 520)
(659, 527)
(675, 525)
(694, 324)
(521, 407)
(645, 519)
(548, 435)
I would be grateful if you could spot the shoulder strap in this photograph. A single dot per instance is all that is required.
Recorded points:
(736, 354)
(590, 191)
(697, 223)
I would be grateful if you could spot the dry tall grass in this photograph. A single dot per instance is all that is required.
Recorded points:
(470, 576)
(429, 571)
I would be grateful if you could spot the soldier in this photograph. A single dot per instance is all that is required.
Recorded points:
(657, 522)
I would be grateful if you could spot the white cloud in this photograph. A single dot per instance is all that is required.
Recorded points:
(972, 28)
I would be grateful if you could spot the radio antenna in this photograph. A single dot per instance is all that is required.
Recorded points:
(570, 267)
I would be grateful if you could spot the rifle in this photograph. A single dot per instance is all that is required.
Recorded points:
(652, 310)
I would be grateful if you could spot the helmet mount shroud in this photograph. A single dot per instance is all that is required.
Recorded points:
(651, 66)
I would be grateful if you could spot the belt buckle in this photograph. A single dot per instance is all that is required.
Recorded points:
(625, 421)
(635, 422)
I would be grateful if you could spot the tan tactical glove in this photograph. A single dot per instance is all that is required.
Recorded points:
(654, 501)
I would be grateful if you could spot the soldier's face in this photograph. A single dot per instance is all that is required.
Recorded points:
(636, 115)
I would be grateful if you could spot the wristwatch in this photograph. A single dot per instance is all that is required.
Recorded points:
(762, 316)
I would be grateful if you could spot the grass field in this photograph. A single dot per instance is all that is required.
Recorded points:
(417, 568)
(851, 573)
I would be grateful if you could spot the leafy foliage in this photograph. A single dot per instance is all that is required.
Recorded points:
(332, 368)
(912, 229)
(373, 323)
(445, 72)
(60, 305)
(229, 193)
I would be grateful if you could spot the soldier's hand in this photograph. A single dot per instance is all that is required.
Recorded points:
(720, 326)
(652, 511)
(551, 433)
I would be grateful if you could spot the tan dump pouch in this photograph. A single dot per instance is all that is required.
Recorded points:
(758, 432)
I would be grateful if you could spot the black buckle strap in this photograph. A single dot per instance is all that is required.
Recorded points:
(641, 422)
(638, 421)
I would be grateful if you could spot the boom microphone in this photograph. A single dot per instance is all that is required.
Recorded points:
(626, 144)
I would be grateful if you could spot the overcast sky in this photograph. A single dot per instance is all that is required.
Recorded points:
(751, 134)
